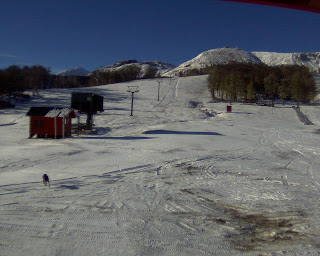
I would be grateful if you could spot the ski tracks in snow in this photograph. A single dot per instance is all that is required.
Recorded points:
(149, 217)
(292, 145)
(165, 208)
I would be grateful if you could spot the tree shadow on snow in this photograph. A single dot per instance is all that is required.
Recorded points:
(181, 132)
(118, 138)
(7, 124)
(243, 113)
(117, 109)
(69, 187)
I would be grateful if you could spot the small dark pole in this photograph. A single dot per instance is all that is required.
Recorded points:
(89, 121)
(132, 89)
(159, 82)
(78, 117)
(90, 114)
(132, 93)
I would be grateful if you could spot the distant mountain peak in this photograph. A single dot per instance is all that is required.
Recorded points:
(157, 66)
(76, 71)
(214, 57)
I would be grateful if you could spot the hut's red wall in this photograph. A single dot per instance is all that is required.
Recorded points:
(45, 126)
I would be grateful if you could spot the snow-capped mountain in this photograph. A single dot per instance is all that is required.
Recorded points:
(214, 57)
(76, 71)
(206, 59)
(311, 60)
(227, 55)
(274, 58)
(158, 67)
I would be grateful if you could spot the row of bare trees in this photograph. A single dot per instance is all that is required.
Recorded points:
(15, 80)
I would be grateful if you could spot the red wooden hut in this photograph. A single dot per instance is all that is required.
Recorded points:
(49, 122)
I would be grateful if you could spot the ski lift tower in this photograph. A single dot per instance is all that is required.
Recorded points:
(132, 90)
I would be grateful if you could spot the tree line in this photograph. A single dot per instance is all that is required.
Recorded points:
(14, 80)
(246, 82)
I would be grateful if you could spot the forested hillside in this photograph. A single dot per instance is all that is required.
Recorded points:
(240, 81)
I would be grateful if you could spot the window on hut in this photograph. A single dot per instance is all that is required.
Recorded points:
(38, 122)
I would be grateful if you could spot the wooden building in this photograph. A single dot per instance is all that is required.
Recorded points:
(50, 122)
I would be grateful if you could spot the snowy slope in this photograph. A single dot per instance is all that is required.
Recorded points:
(317, 81)
(213, 57)
(310, 60)
(227, 55)
(179, 177)
(159, 67)
(274, 58)
(76, 71)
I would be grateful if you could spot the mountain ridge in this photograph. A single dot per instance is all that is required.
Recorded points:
(310, 60)
(157, 67)
(215, 57)
(208, 58)
(75, 71)
(226, 55)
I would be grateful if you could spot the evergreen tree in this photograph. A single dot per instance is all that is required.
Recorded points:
(284, 89)
(271, 84)
(251, 93)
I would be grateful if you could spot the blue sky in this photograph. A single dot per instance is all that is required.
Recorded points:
(61, 34)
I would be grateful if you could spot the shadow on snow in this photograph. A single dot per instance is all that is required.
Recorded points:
(118, 138)
(69, 187)
(181, 132)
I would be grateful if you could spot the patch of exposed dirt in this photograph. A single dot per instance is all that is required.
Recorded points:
(254, 230)
(259, 230)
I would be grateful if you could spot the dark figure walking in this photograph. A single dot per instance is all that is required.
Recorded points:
(46, 180)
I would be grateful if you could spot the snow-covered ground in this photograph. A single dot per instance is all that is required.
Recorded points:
(179, 177)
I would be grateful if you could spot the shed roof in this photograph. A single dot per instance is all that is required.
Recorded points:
(38, 111)
(50, 112)
(63, 112)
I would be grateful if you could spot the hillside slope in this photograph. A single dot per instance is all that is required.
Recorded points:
(309, 60)
(156, 67)
(76, 71)
(214, 57)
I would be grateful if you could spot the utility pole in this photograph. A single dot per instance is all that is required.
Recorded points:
(159, 82)
(132, 90)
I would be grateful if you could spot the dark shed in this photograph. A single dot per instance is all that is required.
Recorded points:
(50, 122)
(87, 102)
